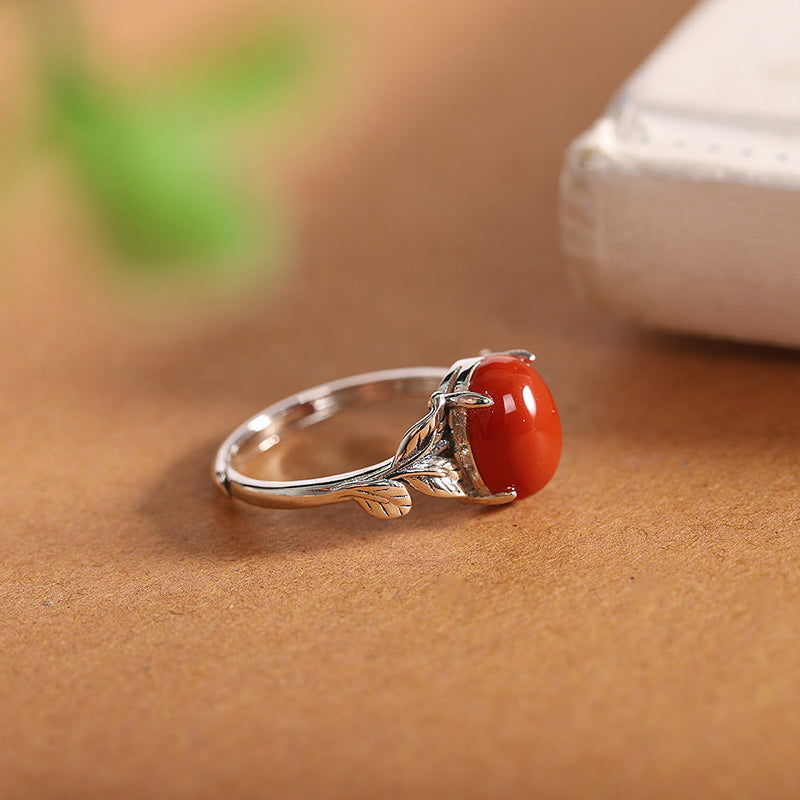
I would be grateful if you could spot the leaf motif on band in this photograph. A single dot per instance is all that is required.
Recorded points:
(434, 485)
(382, 499)
(434, 476)
(423, 436)
(419, 464)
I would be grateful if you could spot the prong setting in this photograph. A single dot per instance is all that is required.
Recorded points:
(468, 400)
(525, 355)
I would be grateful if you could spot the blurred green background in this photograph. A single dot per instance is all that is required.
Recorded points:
(159, 160)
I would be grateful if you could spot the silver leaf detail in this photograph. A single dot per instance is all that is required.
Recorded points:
(382, 499)
(423, 436)
(434, 476)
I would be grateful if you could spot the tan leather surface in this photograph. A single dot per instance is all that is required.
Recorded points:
(631, 631)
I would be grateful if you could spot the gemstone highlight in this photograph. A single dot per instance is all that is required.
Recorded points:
(515, 442)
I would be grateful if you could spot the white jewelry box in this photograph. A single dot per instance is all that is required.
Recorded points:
(680, 207)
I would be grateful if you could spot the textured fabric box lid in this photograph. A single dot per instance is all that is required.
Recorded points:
(681, 205)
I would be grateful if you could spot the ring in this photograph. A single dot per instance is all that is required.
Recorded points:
(492, 435)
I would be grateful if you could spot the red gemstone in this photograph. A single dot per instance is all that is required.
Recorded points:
(516, 442)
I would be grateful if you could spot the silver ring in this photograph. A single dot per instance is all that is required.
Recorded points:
(491, 434)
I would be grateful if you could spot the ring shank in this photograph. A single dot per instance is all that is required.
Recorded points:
(266, 429)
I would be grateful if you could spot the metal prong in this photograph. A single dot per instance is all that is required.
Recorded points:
(468, 400)
(494, 499)
(524, 354)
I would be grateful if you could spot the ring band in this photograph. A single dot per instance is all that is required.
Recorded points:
(491, 434)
